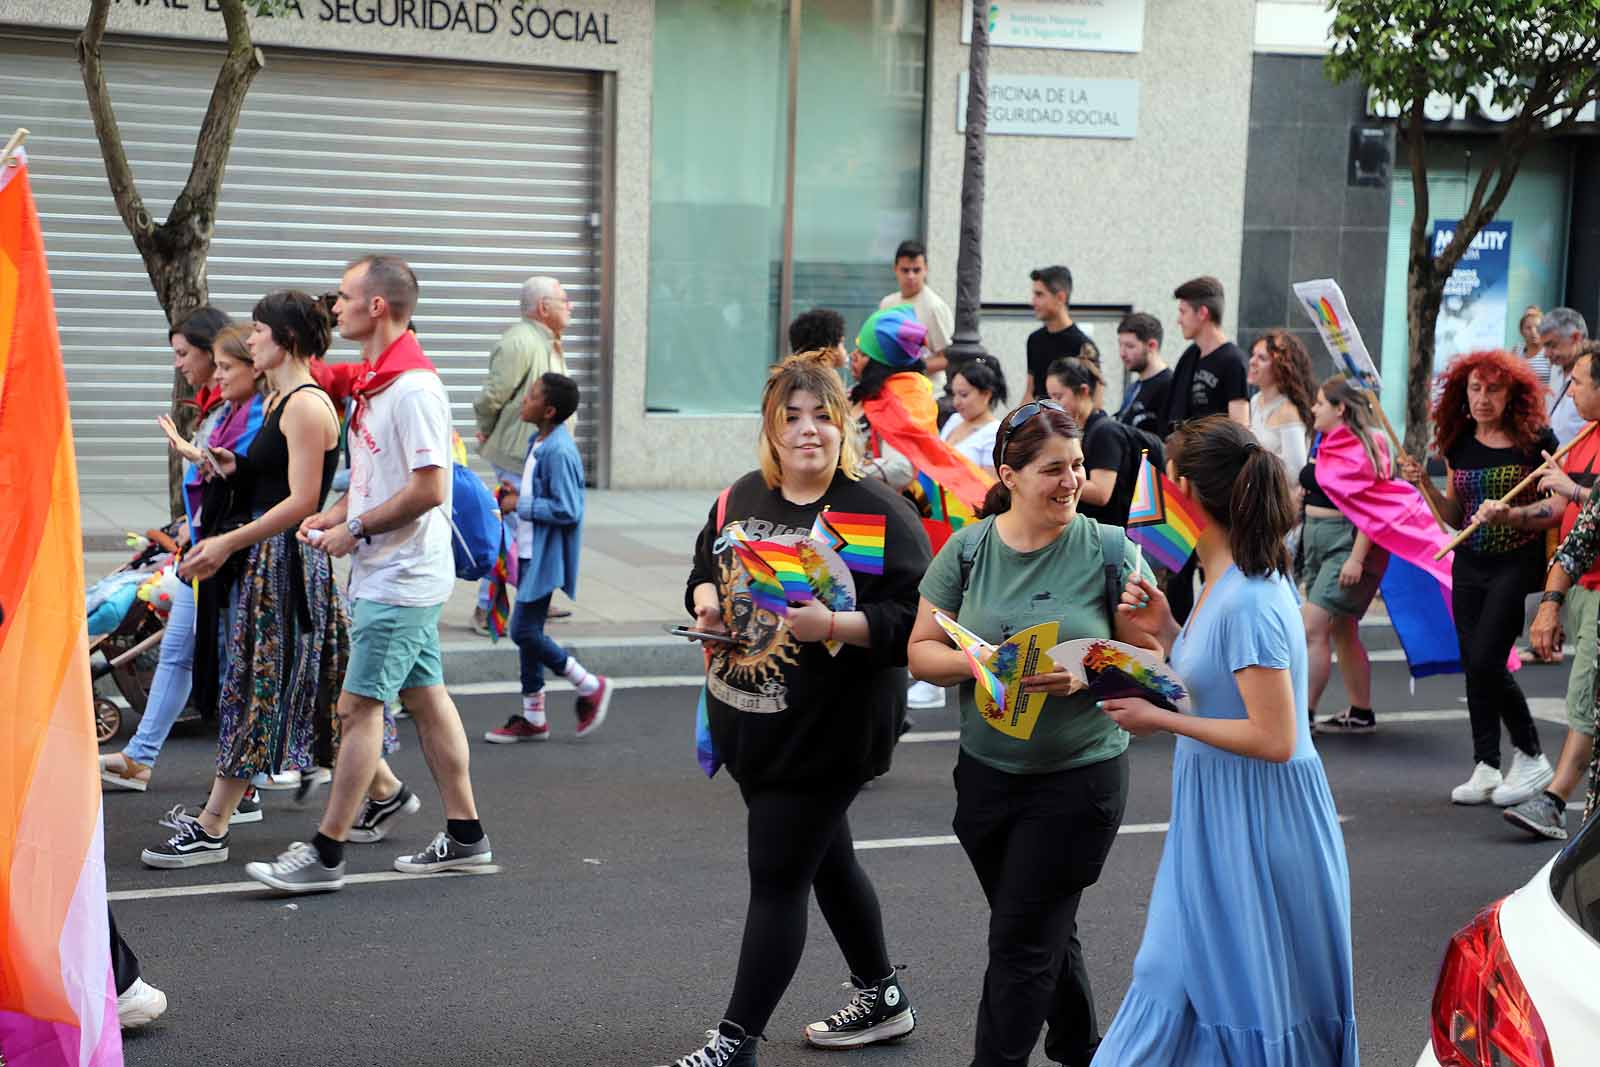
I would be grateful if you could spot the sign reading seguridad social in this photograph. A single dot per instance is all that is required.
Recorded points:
(1044, 106)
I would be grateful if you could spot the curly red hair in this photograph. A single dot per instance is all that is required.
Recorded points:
(1523, 417)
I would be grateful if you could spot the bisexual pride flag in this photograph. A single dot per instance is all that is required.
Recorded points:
(58, 1003)
(1163, 521)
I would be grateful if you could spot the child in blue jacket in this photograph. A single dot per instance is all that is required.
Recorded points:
(550, 505)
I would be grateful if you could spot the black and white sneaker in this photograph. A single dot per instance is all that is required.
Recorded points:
(446, 853)
(373, 822)
(249, 810)
(298, 869)
(878, 1012)
(1347, 721)
(310, 783)
(726, 1046)
(191, 846)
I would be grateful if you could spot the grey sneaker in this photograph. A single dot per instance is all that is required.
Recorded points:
(297, 870)
(443, 853)
(1540, 815)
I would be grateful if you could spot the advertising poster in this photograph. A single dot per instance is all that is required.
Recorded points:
(1473, 314)
(1088, 25)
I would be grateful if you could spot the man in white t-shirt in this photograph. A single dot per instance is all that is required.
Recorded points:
(395, 524)
(911, 271)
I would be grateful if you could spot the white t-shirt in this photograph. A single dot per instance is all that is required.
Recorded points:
(405, 427)
(525, 490)
(977, 446)
(1562, 409)
(934, 314)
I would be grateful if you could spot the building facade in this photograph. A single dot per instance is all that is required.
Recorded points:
(698, 172)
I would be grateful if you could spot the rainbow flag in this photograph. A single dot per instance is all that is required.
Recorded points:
(787, 566)
(58, 1001)
(979, 653)
(766, 588)
(857, 538)
(1161, 519)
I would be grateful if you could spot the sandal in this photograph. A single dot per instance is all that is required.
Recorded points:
(120, 771)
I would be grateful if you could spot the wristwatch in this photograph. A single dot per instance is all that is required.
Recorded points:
(1553, 596)
(358, 530)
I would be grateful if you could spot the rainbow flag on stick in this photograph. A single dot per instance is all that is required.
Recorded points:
(979, 653)
(858, 539)
(776, 575)
(1161, 520)
(1324, 302)
(58, 1002)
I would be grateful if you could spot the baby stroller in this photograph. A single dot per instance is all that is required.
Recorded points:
(126, 618)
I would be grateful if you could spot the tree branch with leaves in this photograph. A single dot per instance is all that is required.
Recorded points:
(1535, 61)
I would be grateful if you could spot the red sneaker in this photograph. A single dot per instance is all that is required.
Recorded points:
(592, 708)
(517, 728)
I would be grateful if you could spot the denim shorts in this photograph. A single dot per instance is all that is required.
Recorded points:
(393, 649)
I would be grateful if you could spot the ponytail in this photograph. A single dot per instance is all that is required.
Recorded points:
(1242, 486)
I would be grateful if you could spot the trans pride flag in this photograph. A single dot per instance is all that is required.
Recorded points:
(1161, 519)
(58, 1003)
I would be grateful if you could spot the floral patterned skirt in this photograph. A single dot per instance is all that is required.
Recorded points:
(287, 651)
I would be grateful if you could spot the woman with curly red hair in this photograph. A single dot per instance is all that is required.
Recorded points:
(1489, 425)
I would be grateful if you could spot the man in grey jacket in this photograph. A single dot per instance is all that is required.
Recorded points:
(529, 348)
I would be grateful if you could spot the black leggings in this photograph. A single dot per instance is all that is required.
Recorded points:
(1488, 595)
(124, 964)
(800, 841)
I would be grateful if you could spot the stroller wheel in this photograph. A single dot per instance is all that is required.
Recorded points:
(107, 720)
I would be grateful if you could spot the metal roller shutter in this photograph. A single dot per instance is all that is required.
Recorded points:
(478, 176)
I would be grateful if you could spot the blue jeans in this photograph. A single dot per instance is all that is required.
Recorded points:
(534, 648)
(169, 689)
(514, 480)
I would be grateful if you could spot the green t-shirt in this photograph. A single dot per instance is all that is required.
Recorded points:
(1009, 591)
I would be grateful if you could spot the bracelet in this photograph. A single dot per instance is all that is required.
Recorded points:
(1553, 596)
(832, 618)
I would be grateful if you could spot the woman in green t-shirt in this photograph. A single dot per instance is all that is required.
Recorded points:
(1039, 792)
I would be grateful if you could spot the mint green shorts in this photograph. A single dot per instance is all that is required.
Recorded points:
(393, 649)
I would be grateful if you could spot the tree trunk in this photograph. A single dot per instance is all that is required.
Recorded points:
(1424, 294)
(969, 260)
(181, 286)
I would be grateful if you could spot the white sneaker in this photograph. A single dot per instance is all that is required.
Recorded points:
(141, 1005)
(1479, 788)
(1527, 778)
(286, 780)
(924, 695)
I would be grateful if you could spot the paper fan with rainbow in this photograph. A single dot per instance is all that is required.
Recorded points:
(1112, 670)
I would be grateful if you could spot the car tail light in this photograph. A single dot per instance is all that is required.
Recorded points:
(1482, 1014)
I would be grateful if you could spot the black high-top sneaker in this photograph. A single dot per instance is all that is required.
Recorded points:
(726, 1046)
(878, 1012)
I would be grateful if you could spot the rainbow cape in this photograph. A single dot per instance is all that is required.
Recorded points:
(905, 415)
(58, 1002)
(1161, 519)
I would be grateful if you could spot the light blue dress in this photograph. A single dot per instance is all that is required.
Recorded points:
(1246, 956)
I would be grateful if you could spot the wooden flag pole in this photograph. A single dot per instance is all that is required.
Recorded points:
(16, 142)
(1551, 463)
(1399, 450)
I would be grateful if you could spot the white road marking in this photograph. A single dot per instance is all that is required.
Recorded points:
(256, 887)
(561, 685)
(916, 736)
(951, 839)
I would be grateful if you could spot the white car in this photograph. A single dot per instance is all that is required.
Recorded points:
(1520, 984)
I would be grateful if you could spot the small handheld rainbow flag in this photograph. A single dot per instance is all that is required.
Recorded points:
(1161, 520)
(978, 652)
(857, 538)
(766, 588)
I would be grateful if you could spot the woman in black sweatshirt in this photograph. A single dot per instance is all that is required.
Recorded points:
(801, 730)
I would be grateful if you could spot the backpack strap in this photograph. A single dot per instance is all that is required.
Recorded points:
(722, 509)
(1113, 550)
(969, 551)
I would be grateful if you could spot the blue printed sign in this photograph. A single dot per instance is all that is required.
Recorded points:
(1473, 314)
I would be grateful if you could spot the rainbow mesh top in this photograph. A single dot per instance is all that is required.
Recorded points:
(1479, 473)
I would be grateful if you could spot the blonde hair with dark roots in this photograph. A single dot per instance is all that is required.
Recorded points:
(230, 340)
(813, 373)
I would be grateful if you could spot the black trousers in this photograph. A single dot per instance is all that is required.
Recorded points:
(1488, 597)
(799, 842)
(1036, 841)
(124, 964)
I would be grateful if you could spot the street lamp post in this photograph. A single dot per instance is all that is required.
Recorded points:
(969, 259)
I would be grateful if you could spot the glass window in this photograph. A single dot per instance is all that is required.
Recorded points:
(716, 201)
(719, 155)
(858, 171)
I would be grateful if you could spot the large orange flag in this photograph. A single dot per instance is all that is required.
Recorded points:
(58, 1002)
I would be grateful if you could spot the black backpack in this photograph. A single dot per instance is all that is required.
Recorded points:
(1113, 550)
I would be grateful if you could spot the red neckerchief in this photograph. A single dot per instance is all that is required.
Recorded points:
(336, 379)
(405, 354)
(206, 398)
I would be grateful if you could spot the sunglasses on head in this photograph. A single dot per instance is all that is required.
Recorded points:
(1018, 419)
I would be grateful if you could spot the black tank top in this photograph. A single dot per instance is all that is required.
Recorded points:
(269, 461)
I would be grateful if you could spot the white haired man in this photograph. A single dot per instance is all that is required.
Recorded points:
(531, 347)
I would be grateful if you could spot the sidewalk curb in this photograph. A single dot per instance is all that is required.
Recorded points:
(481, 660)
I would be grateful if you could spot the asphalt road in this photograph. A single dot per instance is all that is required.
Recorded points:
(609, 934)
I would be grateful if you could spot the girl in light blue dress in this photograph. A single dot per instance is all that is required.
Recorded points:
(1246, 956)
